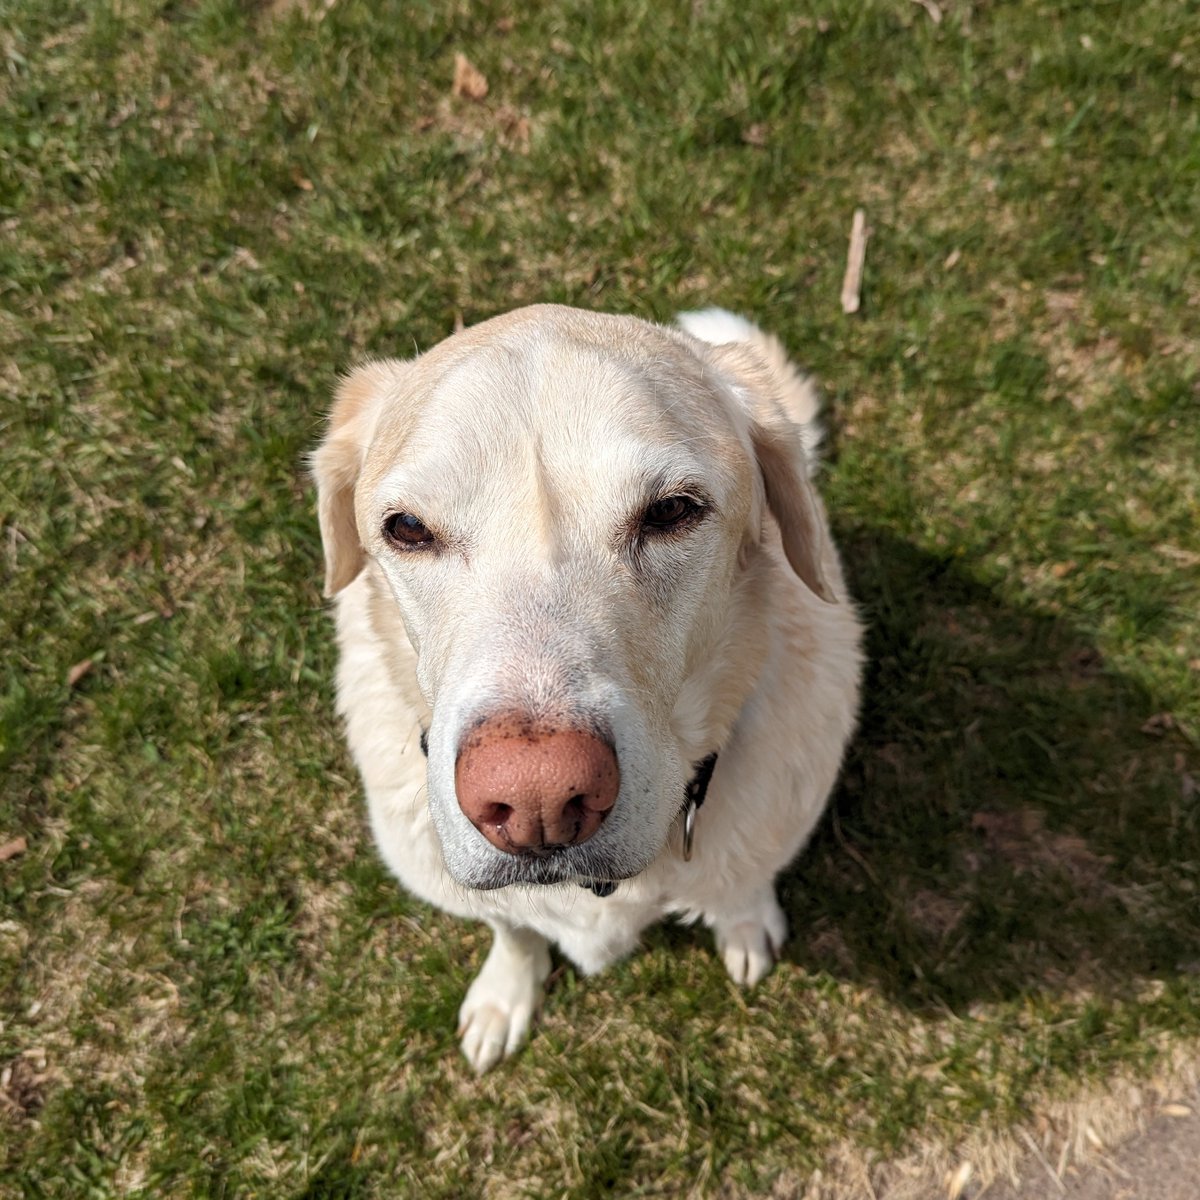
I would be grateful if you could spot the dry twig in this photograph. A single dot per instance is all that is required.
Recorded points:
(857, 256)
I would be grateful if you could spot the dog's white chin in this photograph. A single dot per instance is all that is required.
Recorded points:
(574, 867)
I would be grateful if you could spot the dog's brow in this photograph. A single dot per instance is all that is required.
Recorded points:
(393, 486)
(667, 481)
(699, 438)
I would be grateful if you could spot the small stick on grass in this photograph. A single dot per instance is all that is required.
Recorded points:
(857, 256)
(1037, 1153)
(11, 849)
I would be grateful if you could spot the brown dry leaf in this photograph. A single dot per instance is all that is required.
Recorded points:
(79, 670)
(1159, 724)
(514, 128)
(11, 849)
(469, 80)
(22, 1088)
(755, 135)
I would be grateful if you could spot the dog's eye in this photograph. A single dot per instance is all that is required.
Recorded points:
(406, 531)
(671, 512)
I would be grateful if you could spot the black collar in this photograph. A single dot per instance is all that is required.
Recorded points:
(697, 787)
(693, 797)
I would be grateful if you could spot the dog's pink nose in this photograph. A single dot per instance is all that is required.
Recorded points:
(529, 785)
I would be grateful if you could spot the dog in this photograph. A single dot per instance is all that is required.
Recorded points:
(597, 661)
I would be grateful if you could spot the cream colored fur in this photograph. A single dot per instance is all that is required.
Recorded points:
(531, 444)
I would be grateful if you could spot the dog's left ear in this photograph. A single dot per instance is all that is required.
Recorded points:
(763, 390)
(337, 462)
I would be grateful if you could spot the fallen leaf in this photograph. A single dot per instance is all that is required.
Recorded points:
(79, 670)
(469, 80)
(514, 128)
(755, 135)
(1159, 724)
(18, 845)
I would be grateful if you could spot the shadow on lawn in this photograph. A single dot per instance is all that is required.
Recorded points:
(1012, 816)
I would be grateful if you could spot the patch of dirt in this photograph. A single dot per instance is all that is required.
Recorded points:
(936, 913)
(23, 1086)
(1023, 841)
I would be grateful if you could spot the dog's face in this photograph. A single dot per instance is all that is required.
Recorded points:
(560, 505)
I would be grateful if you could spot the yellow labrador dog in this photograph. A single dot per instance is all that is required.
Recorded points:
(598, 664)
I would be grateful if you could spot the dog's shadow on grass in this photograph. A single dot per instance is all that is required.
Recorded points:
(1012, 817)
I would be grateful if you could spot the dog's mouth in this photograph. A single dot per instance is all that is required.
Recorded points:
(546, 870)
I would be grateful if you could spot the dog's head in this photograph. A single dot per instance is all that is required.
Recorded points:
(567, 510)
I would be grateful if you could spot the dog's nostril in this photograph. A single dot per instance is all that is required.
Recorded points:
(574, 814)
(496, 815)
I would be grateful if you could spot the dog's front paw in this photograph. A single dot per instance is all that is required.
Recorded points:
(490, 1029)
(750, 946)
(495, 1017)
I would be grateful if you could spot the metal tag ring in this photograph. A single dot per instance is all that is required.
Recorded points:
(689, 829)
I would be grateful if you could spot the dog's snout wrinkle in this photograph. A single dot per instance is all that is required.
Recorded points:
(531, 787)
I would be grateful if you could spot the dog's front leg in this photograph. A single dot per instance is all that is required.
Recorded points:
(500, 1003)
(750, 929)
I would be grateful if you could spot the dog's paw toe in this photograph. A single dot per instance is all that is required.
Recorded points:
(498, 1009)
(491, 1030)
(749, 948)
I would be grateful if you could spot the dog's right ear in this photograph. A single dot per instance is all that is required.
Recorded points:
(337, 462)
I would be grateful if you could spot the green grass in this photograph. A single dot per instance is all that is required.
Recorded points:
(208, 984)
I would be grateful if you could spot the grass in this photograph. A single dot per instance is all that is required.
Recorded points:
(208, 984)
